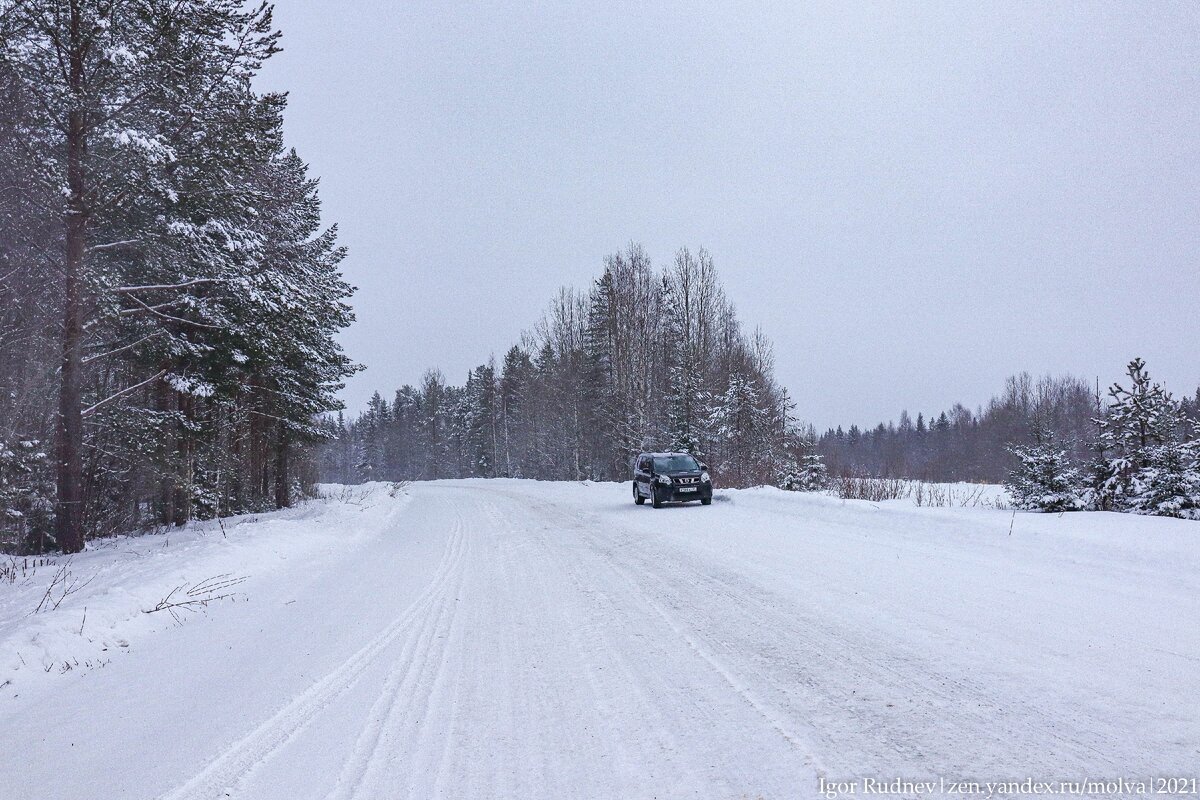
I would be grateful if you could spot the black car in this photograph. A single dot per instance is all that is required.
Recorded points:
(670, 478)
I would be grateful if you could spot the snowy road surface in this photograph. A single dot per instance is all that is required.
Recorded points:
(511, 639)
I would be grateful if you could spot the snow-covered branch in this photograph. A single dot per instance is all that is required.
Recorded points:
(98, 248)
(162, 287)
(129, 346)
(92, 408)
(125, 312)
(154, 310)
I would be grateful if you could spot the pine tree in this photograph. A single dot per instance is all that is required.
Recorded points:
(283, 319)
(145, 114)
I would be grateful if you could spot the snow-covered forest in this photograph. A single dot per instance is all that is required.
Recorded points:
(659, 360)
(1057, 443)
(643, 359)
(962, 444)
(169, 298)
(168, 294)
(279, 523)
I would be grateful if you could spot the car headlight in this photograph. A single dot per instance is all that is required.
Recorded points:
(704, 478)
(663, 479)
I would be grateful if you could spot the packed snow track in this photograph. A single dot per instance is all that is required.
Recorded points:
(514, 639)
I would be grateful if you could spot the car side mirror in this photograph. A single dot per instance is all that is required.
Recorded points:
(703, 466)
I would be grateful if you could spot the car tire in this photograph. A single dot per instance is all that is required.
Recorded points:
(654, 498)
(637, 496)
(706, 501)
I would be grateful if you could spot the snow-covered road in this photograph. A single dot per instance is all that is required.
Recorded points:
(512, 639)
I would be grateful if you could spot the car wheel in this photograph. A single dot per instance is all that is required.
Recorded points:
(654, 498)
(706, 501)
(637, 496)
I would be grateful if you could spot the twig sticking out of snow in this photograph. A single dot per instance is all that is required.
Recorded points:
(11, 569)
(198, 596)
(66, 586)
(352, 495)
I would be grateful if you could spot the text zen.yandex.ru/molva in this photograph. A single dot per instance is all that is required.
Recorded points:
(1023, 787)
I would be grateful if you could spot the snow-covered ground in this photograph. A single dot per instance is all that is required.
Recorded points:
(514, 639)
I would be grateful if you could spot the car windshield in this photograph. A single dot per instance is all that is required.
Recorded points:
(675, 464)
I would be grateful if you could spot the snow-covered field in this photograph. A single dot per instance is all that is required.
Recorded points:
(514, 639)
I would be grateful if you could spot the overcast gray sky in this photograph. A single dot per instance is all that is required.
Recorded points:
(912, 200)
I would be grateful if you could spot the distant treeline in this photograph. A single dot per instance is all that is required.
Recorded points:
(643, 359)
(659, 360)
(168, 295)
(965, 445)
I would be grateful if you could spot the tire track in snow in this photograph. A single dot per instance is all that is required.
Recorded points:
(776, 718)
(968, 714)
(689, 595)
(594, 642)
(771, 714)
(591, 652)
(611, 604)
(395, 722)
(228, 772)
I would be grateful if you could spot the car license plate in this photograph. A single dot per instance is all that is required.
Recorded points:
(687, 488)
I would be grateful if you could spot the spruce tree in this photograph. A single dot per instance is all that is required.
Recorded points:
(685, 397)
(740, 424)
(515, 379)
(1099, 494)
(1169, 484)
(1139, 420)
(808, 475)
(1044, 479)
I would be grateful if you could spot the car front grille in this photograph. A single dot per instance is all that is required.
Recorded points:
(686, 480)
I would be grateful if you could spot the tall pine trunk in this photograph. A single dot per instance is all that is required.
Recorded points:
(182, 505)
(69, 428)
(166, 480)
(283, 497)
(258, 442)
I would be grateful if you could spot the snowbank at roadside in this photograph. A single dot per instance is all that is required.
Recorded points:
(898, 495)
(65, 613)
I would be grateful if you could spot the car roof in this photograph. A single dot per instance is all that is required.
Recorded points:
(665, 455)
